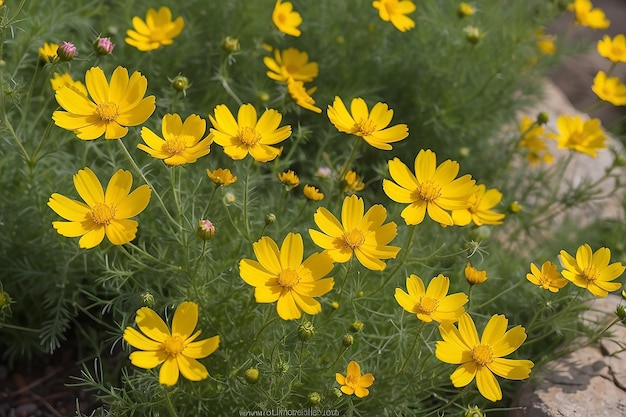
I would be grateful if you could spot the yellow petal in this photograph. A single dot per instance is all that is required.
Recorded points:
(185, 319)
(511, 368)
(487, 384)
(287, 308)
(121, 231)
(70, 229)
(97, 85)
(247, 116)
(351, 212)
(268, 255)
(191, 368)
(134, 203)
(140, 341)
(148, 359)
(168, 375)
(118, 187)
(67, 208)
(464, 374)
(438, 287)
(327, 222)
(291, 251)
(88, 187)
(151, 324)
(202, 348)
(92, 238)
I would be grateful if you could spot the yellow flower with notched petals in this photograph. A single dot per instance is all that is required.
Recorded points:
(157, 30)
(247, 135)
(534, 141)
(609, 89)
(182, 143)
(479, 208)
(66, 80)
(352, 182)
(613, 49)
(483, 358)
(302, 96)
(177, 350)
(290, 63)
(289, 178)
(547, 277)
(312, 193)
(115, 106)
(474, 276)
(221, 176)
(286, 19)
(432, 303)
(581, 136)
(280, 275)
(371, 126)
(103, 213)
(395, 11)
(48, 52)
(362, 235)
(586, 15)
(353, 382)
(592, 270)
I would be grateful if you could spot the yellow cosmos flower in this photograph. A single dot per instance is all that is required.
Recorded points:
(353, 382)
(289, 178)
(102, 213)
(473, 275)
(372, 127)
(247, 135)
(587, 16)
(545, 43)
(286, 19)
(280, 276)
(182, 143)
(362, 235)
(66, 80)
(547, 278)
(221, 176)
(592, 270)
(290, 63)
(432, 303)
(581, 136)
(301, 95)
(465, 10)
(114, 105)
(479, 208)
(431, 189)
(613, 49)
(534, 141)
(48, 52)
(312, 193)
(176, 350)
(395, 11)
(485, 357)
(609, 89)
(352, 182)
(157, 30)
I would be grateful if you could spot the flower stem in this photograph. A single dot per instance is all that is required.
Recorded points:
(169, 405)
(408, 357)
(346, 166)
(407, 245)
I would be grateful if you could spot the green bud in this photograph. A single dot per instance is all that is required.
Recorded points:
(474, 412)
(270, 218)
(620, 311)
(147, 299)
(542, 118)
(315, 398)
(230, 44)
(347, 340)
(337, 392)
(251, 376)
(180, 83)
(282, 367)
(205, 230)
(357, 326)
(473, 34)
(306, 331)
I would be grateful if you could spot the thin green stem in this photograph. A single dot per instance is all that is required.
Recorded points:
(408, 357)
(500, 294)
(169, 405)
(407, 246)
(346, 166)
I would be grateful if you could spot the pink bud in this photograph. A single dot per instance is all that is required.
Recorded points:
(103, 46)
(67, 51)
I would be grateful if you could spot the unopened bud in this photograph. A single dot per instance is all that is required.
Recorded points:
(357, 326)
(251, 375)
(67, 51)
(620, 311)
(347, 340)
(306, 331)
(474, 412)
(147, 299)
(473, 34)
(315, 398)
(230, 44)
(270, 218)
(103, 46)
(205, 230)
(542, 118)
(180, 83)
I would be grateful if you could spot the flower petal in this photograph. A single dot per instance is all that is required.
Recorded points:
(202, 348)
(185, 319)
(151, 324)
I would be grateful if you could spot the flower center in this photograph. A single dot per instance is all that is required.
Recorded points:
(102, 213)
(282, 17)
(427, 305)
(354, 238)
(482, 354)
(352, 380)
(576, 138)
(175, 145)
(472, 204)
(108, 111)
(591, 273)
(248, 136)
(292, 69)
(288, 278)
(364, 127)
(173, 345)
(428, 190)
(617, 51)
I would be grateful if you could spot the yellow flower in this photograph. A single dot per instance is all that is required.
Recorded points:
(48, 52)
(613, 49)
(312, 193)
(157, 30)
(609, 89)
(362, 235)
(394, 11)
(301, 95)
(290, 63)
(247, 134)
(547, 278)
(182, 143)
(479, 208)
(465, 10)
(221, 176)
(431, 189)
(286, 19)
(102, 213)
(66, 80)
(485, 357)
(473, 275)
(432, 303)
(354, 382)
(289, 178)
(280, 275)
(114, 106)
(534, 141)
(592, 270)
(372, 127)
(582, 136)
(587, 16)
(176, 350)
(352, 182)
(545, 43)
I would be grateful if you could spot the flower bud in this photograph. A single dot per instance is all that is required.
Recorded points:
(347, 340)
(542, 118)
(357, 326)
(67, 51)
(334, 305)
(620, 312)
(180, 83)
(306, 331)
(251, 376)
(103, 46)
(270, 218)
(515, 207)
(263, 96)
(474, 412)
(205, 230)
(315, 398)
(474, 276)
(473, 34)
(5, 300)
(230, 44)
(147, 299)
(337, 392)
(282, 367)
(229, 198)
(465, 10)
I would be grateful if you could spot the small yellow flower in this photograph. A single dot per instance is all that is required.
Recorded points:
(371, 126)
(515, 207)
(479, 208)
(586, 15)
(473, 275)
(395, 11)
(301, 95)
(290, 63)
(352, 182)
(48, 52)
(221, 176)
(534, 141)
(609, 89)
(157, 30)
(182, 143)
(592, 270)
(581, 136)
(286, 19)
(432, 303)
(289, 179)
(312, 193)
(465, 10)
(613, 49)
(547, 278)
(545, 43)
(176, 350)
(66, 80)
(353, 382)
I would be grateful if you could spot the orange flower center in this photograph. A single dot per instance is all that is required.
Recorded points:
(576, 138)
(173, 345)
(352, 380)
(248, 136)
(427, 305)
(353, 239)
(482, 354)
(108, 111)
(102, 213)
(364, 127)
(282, 17)
(428, 191)
(175, 145)
(292, 69)
(590, 273)
(472, 203)
(288, 278)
